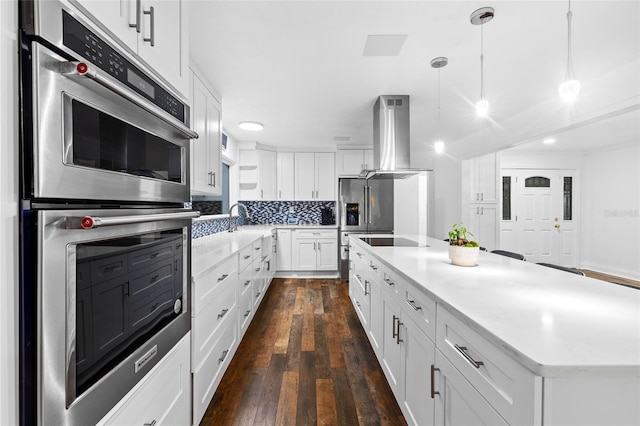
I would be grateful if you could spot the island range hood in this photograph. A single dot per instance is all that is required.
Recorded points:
(390, 139)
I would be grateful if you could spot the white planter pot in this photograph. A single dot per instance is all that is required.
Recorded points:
(464, 256)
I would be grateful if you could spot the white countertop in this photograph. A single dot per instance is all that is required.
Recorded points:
(555, 323)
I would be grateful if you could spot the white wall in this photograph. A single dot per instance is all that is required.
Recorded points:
(410, 206)
(8, 214)
(611, 211)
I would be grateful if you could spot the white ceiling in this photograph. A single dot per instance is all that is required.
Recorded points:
(298, 67)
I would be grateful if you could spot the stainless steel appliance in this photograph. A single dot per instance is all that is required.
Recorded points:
(105, 237)
(365, 206)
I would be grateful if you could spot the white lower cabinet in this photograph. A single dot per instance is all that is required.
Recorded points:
(418, 349)
(163, 397)
(314, 250)
(456, 401)
(283, 249)
(391, 348)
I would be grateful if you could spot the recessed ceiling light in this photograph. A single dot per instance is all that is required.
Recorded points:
(549, 141)
(251, 125)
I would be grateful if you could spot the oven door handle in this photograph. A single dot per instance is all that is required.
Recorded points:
(89, 222)
(83, 69)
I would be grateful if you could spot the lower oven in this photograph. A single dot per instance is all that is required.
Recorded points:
(111, 297)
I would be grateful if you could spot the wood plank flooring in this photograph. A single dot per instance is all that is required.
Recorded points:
(304, 360)
(611, 278)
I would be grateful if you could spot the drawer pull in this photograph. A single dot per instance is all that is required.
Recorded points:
(257, 248)
(388, 281)
(257, 269)
(247, 282)
(247, 256)
(358, 303)
(359, 254)
(415, 307)
(246, 314)
(223, 277)
(433, 380)
(153, 423)
(375, 268)
(365, 287)
(223, 313)
(463, 351)
(258, 294)
(224, 355)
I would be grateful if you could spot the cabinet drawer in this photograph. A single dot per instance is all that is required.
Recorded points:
(256, 247)
(206, 286)
(245, 256)
(504, 383)
(162, 397)
(245, 311)
(421, 308)
(315, 233)
(206, 380)
(207, 322)
(244, 281)
(360, 303)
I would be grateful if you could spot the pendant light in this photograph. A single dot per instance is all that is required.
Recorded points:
(480, 17)
(438, 63)
(570, 87)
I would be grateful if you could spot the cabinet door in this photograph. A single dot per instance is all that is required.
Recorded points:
(267, 170)
(160, 40)
(484, 224)
(283, 245)
(368, 159)
(305, 176)
(419, 353)
(118, 16)
(304, 254)
(285, 176)
(350, 162)
(214, 135)
(391, 348)
(483, 179)
(325, 176)
(327, 254)
(457, 402)
(376, 320)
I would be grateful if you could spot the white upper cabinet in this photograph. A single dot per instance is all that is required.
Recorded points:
(257, 172)
(285, 176)
(350, 162)
(483, 175)
(206, 176)
(153, 29)
(267, 175)
(315, 176)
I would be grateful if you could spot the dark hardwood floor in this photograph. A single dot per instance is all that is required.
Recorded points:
(304, 360)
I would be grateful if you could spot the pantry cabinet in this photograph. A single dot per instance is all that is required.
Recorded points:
(206, 115)
(315, 176)
(155, 30)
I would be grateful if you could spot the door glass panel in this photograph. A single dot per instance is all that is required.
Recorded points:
(567, 198)
(506, 197)
(537, 182)
(104, 142)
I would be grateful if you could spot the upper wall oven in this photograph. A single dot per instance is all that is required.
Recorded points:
(101, 128)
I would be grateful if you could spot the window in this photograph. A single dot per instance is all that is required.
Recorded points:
(567, 198)
(537, 182)
(219, 204)
(506, 197)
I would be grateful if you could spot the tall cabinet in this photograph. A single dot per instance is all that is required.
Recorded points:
(480, 199)
(206, 114)
(315, 176)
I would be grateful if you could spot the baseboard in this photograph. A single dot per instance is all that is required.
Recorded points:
(623, 273)
(307, 274)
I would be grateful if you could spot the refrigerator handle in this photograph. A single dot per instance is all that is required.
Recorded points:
(368, 201)
(365, 206)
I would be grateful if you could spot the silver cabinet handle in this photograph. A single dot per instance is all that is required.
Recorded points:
(312, 193)
(365, 287)
(82, 69)
(482, 210)
(482, 196)
(258, 294)
(412, 303)
(280, 194)
(223, 313)
(398, 339)
(477, 196)
(153, 423)
(477, 210)
(433, 379)
(224, 355)
(316, 193)
(89, 222)
(247, 256)
(246, 314)
(257, 269)
(223, 277)
(372, 266)
(463, 351)
(388, 281)
(261, 193)
(247, 282)
(395, 334)
(137, 27)
(152, 31)
(213, 175)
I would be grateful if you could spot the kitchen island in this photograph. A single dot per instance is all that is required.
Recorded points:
(504, 342)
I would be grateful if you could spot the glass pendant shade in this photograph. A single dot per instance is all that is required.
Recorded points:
(570, 87)
(482, 107)
(438, 147)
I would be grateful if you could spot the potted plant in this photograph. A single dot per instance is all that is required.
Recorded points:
(462, 251)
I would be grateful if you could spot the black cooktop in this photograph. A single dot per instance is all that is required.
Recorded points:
(389, 242)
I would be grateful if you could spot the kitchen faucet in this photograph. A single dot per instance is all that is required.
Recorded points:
(231, 226)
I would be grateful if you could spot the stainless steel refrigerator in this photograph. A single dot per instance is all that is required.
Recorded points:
(365, 207)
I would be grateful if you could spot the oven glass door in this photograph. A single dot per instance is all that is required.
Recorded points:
(112, 301)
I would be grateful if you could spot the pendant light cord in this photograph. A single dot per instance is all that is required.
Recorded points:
(439, 134)
(482, 61)
(570, 75)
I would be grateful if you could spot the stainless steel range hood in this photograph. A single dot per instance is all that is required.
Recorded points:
(390, 139)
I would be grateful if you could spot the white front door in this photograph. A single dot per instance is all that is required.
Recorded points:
(544, 221)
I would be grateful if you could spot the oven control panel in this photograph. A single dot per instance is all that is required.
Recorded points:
(88, 45)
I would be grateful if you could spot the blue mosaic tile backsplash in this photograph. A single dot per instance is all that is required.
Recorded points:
(262, 213)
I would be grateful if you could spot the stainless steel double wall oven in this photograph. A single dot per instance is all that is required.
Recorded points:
(105, 244)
